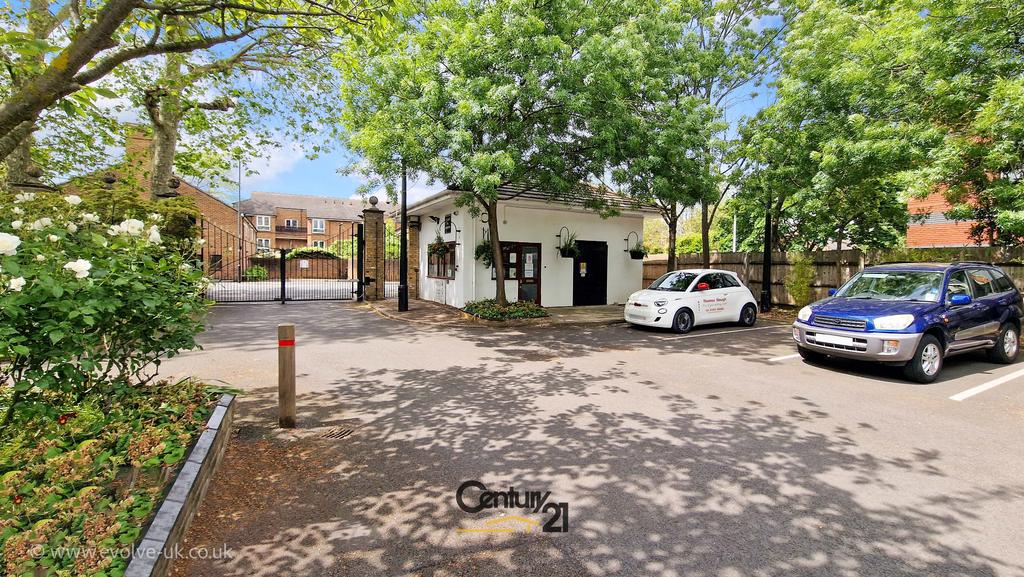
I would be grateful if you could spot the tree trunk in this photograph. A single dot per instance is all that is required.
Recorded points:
(705, 237)
(164, 106)
(39, 19)
(672, 220)
(496, 255)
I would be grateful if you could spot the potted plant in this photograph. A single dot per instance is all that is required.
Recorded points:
(484, 253)
(438, 247)
(637, 251)
(568, 247)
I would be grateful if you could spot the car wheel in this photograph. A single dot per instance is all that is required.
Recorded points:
(1007, 345)
(748, 316)
(810, 356)
(927, 361)
(683, 322)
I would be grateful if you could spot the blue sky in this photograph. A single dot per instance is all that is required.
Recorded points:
(289, 171)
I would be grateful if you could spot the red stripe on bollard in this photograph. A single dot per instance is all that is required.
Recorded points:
(286, 343)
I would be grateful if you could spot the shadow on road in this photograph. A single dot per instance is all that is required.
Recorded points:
(704, 486)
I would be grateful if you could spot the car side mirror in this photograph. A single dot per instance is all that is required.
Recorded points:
(960, 300)
(832, 292)
(703, 286)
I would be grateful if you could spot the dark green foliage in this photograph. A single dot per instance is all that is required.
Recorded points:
(489, 309)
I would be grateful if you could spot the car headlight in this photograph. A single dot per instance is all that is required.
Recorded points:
(660, 302)
(804, 314)
(894, 322)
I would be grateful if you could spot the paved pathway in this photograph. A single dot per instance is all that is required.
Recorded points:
(691, 455)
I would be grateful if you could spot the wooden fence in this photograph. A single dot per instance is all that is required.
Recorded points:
(832, 268)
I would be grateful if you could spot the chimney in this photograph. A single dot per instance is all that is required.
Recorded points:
(138, 158)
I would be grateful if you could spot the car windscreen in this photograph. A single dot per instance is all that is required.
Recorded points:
(894, 286)
(674, 281)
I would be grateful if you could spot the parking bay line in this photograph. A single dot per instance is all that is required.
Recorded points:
(963, 395)
(784, 358)
(695, 335)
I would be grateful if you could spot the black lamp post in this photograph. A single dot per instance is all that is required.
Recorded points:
(766, 265)
(403, 252)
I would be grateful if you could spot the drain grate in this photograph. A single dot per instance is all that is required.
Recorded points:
(337, 433)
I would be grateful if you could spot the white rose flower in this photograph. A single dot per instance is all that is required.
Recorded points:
(90, 217)
(25, 197)
(53, 238)
(16, 284)
(72, 227)
(114, 230)
(154, 235)
(185, 267)
(17, 210)
(40, 257)
(155, 217)
(41, 223)
(80, 267)
(133, 226)
(73, 199)
(9, 244)
(16, 224)
(201, 242)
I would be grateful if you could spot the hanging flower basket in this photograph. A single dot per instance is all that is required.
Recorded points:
(569, 248)
(485, 253)
(438, 247)
(637, 252)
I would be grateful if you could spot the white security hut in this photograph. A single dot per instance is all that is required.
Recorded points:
(531, 229)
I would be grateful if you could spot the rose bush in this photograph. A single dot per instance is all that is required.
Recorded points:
(88, 307)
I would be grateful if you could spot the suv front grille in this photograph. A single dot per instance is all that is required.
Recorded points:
(841, 323)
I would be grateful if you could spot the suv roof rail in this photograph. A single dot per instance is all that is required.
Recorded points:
(972, 262)
(891, 262)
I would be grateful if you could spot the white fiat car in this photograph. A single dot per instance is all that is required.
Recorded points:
(683, 299)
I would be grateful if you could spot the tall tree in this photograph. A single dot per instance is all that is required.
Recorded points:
(78, 43)
(479, 94)
(731, 46)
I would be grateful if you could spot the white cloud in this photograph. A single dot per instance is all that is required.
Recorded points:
(278, 162)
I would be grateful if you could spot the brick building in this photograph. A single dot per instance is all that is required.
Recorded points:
(929, 226)
(223, 231)
(296, 220)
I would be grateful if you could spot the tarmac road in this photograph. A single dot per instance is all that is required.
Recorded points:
(717, 453)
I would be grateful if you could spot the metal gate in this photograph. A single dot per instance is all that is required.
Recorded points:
(392, 247)
(240, 270)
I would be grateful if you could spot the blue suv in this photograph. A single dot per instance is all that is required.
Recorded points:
(915, 315)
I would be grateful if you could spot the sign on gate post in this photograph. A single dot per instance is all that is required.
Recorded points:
(281, 267)
(360, 265)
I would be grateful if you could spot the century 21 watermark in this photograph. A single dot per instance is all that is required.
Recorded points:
(474, 497)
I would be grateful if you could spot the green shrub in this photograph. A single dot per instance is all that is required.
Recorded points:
(256, 273)
(489, 309)
(310, 252)
(801, 276)
(88, 307)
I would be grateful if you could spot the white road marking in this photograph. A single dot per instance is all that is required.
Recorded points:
(785, 358)
(989, 385)
(693, 335)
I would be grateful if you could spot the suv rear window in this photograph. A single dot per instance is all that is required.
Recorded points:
(1002, 282)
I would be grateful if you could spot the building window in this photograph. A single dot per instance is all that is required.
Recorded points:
(442, 265)
(319, 244)
(263, 243)
(262, 222)
(291, 223)
(318, 224)
(216, 261)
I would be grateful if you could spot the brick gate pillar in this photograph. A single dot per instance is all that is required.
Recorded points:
(373, 263)
(413, 241)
